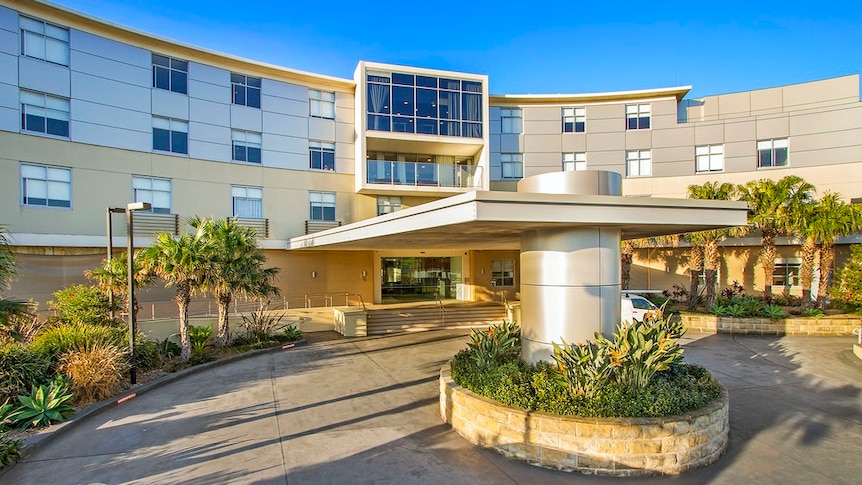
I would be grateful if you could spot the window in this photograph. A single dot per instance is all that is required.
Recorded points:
(786, 272)
(709, 158)
(637, 116)
(387, 204)
(321, 155)
(502, 272)
(170, 74)
(574, 161)
(246, 90)
(247, 202)
(321, 104)
(322, 206)
(156, 191)
(772, 153)
(574, 120)
(170, 135)
(512, 165)
(46, 186)
(246, 146)
(638, 163)
(44, 113)
(511, 120)
(45, 41)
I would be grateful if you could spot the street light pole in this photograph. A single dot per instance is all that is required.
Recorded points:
(109, 211)
(130, 266)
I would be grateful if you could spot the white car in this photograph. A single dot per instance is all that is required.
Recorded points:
(635, 308)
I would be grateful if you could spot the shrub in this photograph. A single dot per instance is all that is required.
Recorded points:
(812, 313)
(260, 324)
(148, 353)
(774, 311)
(10, 451)
(16, 315)
(200, 338)
(57, 341)
(45, 404)
(292, 333)
(96, 373)
(81, 304)
(21, 367)
(847, 291)
(495, 345)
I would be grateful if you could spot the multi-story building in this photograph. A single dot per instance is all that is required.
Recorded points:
(95, 115)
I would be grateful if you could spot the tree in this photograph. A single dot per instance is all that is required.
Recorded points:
(113, 277)
(8, 268)
(803, 224)
(833, 218)
(180, 262)
(848, 287)
(627, 250)
(710, 240)
(771, 205)
(234, 267)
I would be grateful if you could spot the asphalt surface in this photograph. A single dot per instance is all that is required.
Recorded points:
(365, 411)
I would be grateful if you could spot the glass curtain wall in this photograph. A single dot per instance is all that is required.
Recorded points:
(419, 279)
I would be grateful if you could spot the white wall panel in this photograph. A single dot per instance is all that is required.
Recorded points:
(112, 69)
(285, 125)
(209, 151)
(286, 144)
(9, 69)
(209, 91)
(9, 42)
(209, 112)
(106, 115)
(110, 49)
(8, 20)
(43, 76)
(321, 129)
(112, 93)
(170, 104)
(9, 118)
(284, 106)
(210, 133)
(111, 136)
(209, 74)
(293, 161)
(245, 118)
(285, 90)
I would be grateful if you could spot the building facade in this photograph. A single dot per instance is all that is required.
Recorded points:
(94, 115)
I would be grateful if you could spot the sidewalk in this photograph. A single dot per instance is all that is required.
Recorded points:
(365, 411)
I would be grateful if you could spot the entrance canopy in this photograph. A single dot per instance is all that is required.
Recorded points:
(496, 220)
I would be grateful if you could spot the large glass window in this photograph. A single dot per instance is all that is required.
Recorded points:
(46, 186)
(321, 104)
(786, 272)
(246, 146)
(387, 204)
(709, 158)
(511, 120)
(638, 116)
(245, 90)
(503, 272)
(45, 41)
(772, 153)
(170, 74)
(170, 135)
(321, 155)
(156, 191)
(321, 206)
(638, 163)
(574, 120)
(44, 113)
(512, 165)
(408, 103)
(247, 202)
(574, 161)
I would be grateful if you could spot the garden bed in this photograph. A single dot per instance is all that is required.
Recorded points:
(839, 325)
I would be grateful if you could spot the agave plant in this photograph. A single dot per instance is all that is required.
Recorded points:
(582, 368)
(45, 404)
(493, 346)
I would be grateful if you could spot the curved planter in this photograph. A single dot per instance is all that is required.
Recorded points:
(603, 446)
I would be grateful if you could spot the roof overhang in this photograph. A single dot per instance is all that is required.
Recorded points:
(496, 220)
(677, 92)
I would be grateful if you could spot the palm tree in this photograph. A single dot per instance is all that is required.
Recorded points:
(833, 218)
(709, 240)
(113, 277)
(803, 223)
(234, 267)
(180, 262)
(627, 250)
(771, 205)
(8, 269)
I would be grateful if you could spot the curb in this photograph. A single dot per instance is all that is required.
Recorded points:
(34, 442)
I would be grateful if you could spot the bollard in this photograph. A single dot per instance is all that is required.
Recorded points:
(858, 333)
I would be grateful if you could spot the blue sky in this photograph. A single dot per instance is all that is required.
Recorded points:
(574, 46)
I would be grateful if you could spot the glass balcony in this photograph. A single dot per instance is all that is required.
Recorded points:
(420, 174)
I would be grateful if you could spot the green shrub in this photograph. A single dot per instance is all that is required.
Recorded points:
(81, 304)
(495, 345)
(774, 311)
(5, 409)
(812, 313)
(10, 451)
(260, 324)
(21, 367)
(95, 373)
(847, 291)
(148, 353)
(292, 333)
(57, 341)
(200, 338)
(583, 368)
(45, 404)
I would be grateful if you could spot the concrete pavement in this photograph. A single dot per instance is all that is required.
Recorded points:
(365, 411)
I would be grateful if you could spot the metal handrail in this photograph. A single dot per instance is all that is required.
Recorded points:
(442, 308)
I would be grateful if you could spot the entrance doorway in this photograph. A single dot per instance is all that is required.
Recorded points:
(419, 279)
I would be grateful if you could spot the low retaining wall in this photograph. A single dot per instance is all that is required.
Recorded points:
(602, 446)
(827, 326)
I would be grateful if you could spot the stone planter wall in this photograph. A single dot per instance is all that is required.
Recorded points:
(827, 326)
(610, 446)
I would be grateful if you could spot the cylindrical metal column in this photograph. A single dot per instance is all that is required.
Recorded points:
(570, 287)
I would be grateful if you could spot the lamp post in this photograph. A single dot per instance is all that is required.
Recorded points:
(111, 210)
(130, 208)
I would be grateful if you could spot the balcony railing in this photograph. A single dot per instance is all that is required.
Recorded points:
(420, 174)
(151, 224)
(317, 226)
(261, 226)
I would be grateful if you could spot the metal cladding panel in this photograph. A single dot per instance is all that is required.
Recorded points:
(587, 182)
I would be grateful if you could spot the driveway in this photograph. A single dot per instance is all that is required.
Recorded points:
(365, 411)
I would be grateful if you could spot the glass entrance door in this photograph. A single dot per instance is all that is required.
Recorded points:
(419, 279)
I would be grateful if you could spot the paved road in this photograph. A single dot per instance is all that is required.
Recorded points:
(364, 411)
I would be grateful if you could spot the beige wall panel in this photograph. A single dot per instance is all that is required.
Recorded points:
(605, 125)
(694, 110)
(672, 168)
(803, 123)
(606, 118)
(574, 142)
(672, 137)
(542, 143)
(773, 127)
(740, 156)
(606, 158)
(766, 100)
(321, 129)
(481, 275)
(709, 133)
(664, 121)
(543, 113)
(638, 139)
(740, 130)
(664, 107)
(336, 272)
(345, 133)
(734, 104)
(541, 127)
(672, 156)
(820, 93)
(536, 163)
(811, 158)
(598, 142)
(710, 108)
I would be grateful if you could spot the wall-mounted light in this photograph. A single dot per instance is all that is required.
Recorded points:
(364, 274)
(482, 270)
(314, 274)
